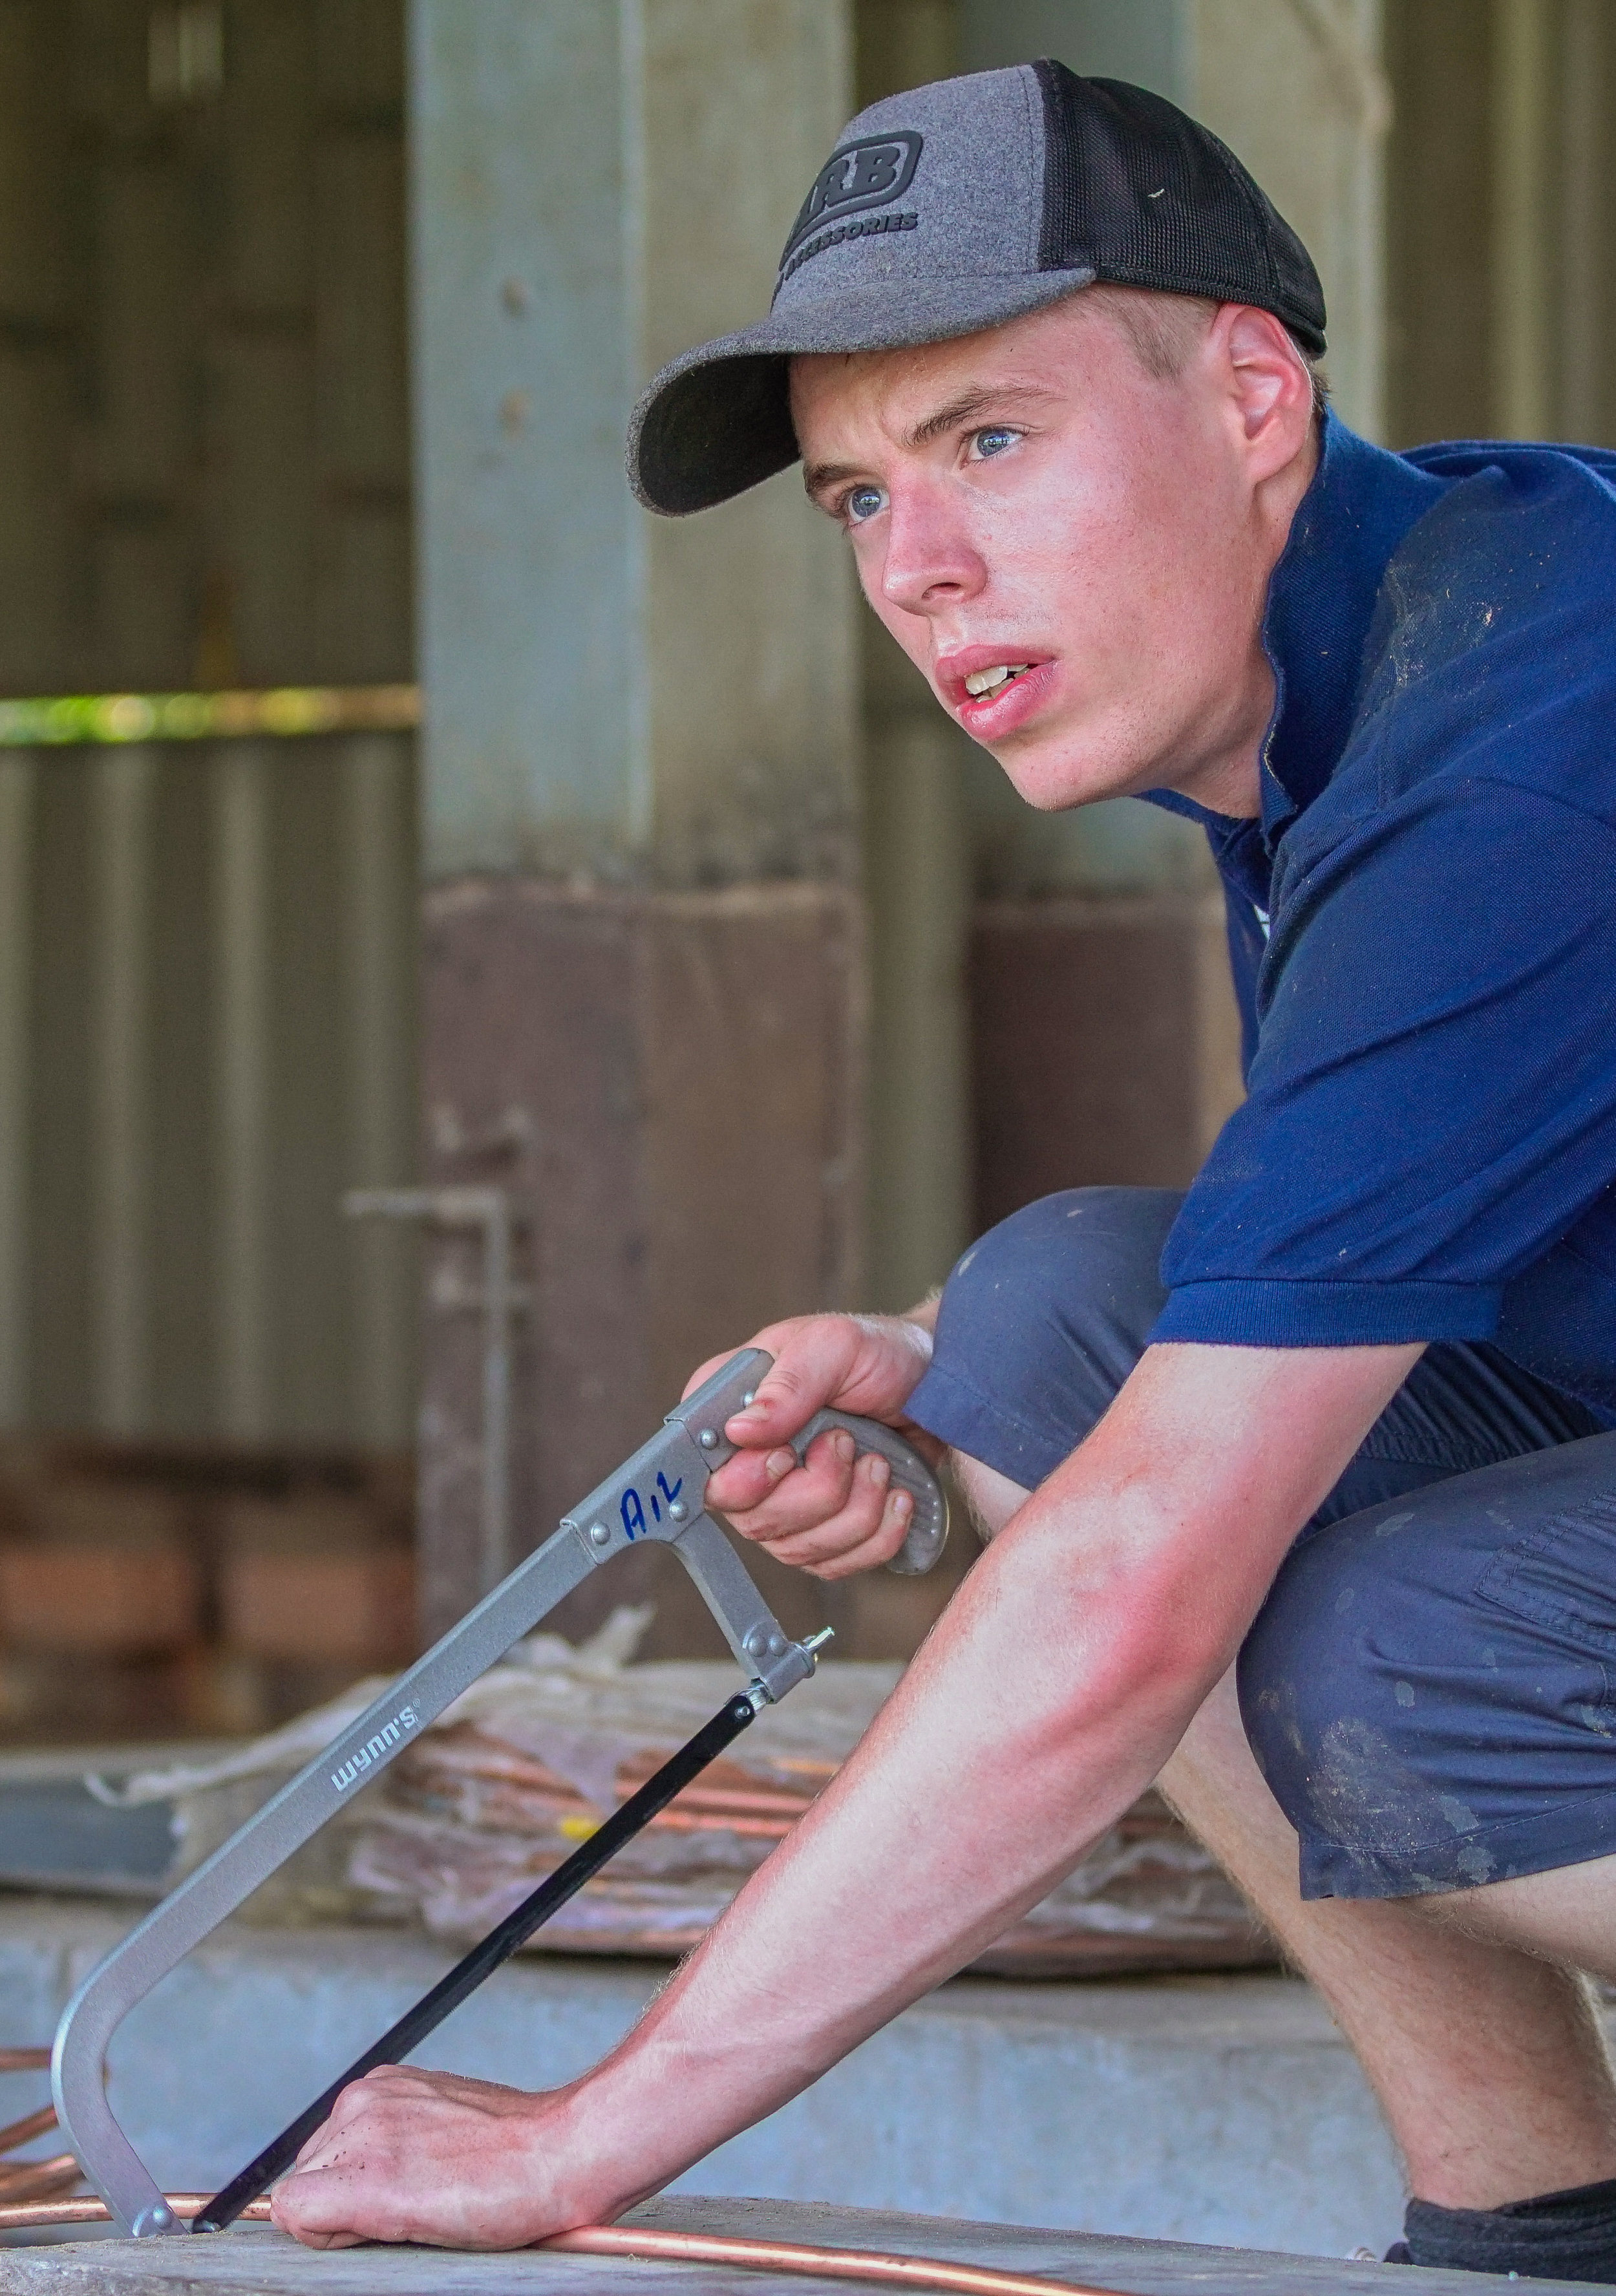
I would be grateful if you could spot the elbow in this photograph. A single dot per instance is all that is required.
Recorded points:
(1144, 1647)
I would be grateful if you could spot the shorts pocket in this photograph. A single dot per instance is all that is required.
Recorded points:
(1562, 1577)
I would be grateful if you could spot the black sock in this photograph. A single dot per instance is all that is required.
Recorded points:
(1570, 2235)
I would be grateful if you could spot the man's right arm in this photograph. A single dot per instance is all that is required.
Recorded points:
(1056, 1683)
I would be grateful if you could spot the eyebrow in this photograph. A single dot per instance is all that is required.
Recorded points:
(976, 398)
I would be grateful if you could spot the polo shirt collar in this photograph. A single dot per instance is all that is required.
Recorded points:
(1321, 603)
(1322, 598)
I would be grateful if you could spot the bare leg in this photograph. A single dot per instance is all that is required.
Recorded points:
(1488, 2062)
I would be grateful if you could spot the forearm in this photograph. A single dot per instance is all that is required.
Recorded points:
(975, 1791)
(1048, 1697)
(1061, 1675)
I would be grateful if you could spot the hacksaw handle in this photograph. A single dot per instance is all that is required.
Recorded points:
(928, 1531)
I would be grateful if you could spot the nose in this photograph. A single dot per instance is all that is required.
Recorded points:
(930, 561)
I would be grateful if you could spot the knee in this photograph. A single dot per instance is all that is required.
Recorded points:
(1082, 1253)
(1040, 1323)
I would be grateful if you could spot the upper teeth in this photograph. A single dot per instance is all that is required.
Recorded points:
(987, 681)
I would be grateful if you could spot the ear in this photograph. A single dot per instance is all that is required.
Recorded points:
(1266, 385)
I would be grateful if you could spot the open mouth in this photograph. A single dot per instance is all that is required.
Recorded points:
(983, 682)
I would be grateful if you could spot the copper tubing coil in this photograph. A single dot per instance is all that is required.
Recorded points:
(679, 1821)
(31, 2125)
(742, 1794)
(38, 2180)
(644, 2246)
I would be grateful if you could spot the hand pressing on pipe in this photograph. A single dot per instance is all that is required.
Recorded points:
(430, 2157)
(836, 1513)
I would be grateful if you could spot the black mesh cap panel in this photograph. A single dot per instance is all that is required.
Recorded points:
(1149, 198)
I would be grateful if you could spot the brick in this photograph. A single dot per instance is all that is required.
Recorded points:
(316, 1581)
(123, 1597)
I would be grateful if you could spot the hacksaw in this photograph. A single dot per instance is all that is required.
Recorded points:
(659, 1494)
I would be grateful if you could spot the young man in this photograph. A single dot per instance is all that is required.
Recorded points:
(1304, 1485)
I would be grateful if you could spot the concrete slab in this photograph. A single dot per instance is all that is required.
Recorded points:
(255, 2262)
(1208, 2108)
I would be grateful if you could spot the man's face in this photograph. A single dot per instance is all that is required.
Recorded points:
(1033, 500)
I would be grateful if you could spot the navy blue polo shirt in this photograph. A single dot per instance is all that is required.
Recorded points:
(1423, 926)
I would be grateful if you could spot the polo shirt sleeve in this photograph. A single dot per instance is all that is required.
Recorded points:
(1433, 1102)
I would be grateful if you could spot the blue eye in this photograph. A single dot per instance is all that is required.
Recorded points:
(862, 502)
(994, 442)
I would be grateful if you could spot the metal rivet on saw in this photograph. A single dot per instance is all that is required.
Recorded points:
(709, 1439)
(599, 1533)
(678, 1510)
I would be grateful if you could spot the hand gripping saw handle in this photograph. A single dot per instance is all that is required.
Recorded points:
(658, 1494)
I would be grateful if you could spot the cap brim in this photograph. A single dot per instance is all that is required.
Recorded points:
(718, 419)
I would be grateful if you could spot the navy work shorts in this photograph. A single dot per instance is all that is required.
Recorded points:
(1431, 1687)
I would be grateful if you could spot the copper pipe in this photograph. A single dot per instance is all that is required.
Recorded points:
(25, 2060)
(645, 2246)
(811, 2263)
(33, 2180)
(679, 1821)
(32, 2124)
(85, 2209)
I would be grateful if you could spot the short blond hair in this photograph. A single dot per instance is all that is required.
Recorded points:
(1165, 329)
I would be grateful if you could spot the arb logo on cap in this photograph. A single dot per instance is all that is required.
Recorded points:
(865, 175)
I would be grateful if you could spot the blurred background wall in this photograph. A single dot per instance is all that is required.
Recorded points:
(742, 983)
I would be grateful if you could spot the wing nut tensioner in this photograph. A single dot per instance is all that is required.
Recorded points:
(658, 1494)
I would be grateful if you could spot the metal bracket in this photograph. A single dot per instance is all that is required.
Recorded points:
(658, 1494)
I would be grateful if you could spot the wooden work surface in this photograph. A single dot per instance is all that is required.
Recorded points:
(256, 2261)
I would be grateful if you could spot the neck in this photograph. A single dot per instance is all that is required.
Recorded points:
(1226, 776)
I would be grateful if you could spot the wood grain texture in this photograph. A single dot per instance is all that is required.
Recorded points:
(265, 2264)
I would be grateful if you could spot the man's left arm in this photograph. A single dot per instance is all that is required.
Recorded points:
(1061, 1677)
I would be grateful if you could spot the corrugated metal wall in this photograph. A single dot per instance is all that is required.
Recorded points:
(206, 948)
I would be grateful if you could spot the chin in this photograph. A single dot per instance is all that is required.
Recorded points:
(1053, 776)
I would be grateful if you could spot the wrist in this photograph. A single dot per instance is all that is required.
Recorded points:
(597, 2148)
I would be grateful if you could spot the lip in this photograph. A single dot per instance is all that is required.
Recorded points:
(988, 716)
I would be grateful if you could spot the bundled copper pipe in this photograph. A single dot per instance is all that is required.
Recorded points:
(36, 2180)
(644, 2246)
(32, 2124)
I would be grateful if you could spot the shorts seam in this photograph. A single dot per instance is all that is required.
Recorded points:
(1407, 1453)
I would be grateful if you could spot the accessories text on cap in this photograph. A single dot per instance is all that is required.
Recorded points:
(957, 207)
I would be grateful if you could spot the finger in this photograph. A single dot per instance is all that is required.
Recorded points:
(878, 1550)
(295, 2209)
(849, 1529)
(321, 2207)
(815, 1358)
(801, 1496)
(795, 1494)
(750, 1478)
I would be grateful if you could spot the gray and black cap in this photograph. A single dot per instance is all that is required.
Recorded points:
(954, 207)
